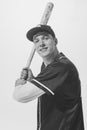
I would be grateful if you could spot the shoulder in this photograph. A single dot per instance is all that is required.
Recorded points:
(63, 62)
(70, 67)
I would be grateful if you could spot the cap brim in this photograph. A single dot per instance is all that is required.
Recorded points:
(35, 30)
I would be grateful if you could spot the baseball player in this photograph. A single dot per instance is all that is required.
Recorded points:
(57, 86)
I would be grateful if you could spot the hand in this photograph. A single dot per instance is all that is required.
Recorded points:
(20, 82)
(30, 75)
(26, 74)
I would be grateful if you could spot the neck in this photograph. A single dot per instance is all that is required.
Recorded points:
(49, 59)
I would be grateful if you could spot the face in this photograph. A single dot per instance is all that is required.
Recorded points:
(45, 45)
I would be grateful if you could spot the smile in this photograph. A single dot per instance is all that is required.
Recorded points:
(44, 49)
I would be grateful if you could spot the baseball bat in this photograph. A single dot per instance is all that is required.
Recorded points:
(44, 20)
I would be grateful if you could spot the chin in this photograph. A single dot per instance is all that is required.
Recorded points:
(45, 55)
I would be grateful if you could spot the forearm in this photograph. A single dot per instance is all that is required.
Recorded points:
(27, 92)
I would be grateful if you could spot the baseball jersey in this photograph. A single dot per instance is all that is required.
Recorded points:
(60, 108)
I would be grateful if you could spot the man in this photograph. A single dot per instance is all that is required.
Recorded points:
(57, 86)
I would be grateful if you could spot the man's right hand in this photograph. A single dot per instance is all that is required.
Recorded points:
(26, 74)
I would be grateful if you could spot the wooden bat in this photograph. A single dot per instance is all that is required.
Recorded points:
(44, 20)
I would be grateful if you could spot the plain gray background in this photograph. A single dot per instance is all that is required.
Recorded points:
(69, 21)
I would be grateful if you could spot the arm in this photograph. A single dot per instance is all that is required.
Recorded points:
(25, 91)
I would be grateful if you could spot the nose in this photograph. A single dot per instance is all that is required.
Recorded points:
(42, 44)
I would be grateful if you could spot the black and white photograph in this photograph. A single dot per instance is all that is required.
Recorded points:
(43, 66)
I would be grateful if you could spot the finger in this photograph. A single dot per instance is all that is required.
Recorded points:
(24, 74)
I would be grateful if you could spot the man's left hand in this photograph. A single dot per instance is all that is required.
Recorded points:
(20, 82)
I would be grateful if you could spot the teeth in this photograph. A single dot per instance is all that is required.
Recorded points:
(42, 49)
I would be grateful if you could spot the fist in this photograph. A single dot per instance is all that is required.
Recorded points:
(26, 74)
(30, 75)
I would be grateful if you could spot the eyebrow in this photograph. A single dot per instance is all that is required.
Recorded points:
(43, 34)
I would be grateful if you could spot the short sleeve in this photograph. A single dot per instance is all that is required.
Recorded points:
(51, 78)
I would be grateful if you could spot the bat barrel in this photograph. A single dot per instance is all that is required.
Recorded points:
(47, 13)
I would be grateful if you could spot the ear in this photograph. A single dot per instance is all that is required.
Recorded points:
(56, 41)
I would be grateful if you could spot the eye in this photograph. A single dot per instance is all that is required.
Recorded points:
(45, 37)
(36, 40)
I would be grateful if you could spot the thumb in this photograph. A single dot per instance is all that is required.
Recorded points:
(30, 75)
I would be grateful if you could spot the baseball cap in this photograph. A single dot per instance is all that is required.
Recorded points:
(39, 28)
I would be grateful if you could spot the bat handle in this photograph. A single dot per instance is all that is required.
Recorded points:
(29, 63)
(30, 57)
